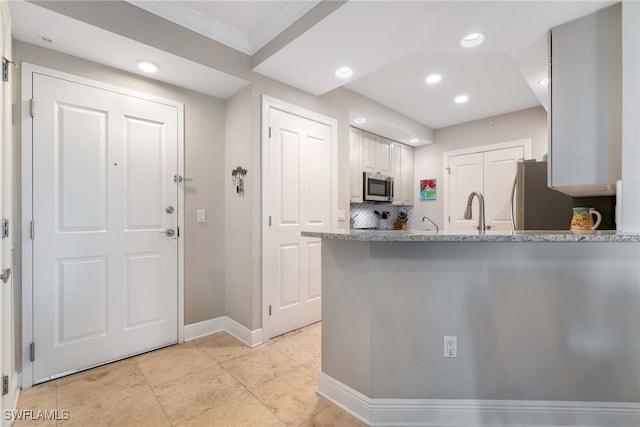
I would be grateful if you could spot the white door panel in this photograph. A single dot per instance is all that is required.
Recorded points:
(299, 199)
(465, 177)
(489, 172)
(104, 274)
(499, 173)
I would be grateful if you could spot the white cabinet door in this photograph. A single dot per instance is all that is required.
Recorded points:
(586, 97)
(402, 174)
(383, 156)
(376, 155)
(355, 165)
(369, 153)
(499, 172)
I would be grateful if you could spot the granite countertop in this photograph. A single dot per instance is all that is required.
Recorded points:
(487, 236)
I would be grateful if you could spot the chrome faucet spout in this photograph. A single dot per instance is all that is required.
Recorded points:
(468, 214)
(431, 221)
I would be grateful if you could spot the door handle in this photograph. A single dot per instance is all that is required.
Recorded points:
(170, 232)
(6, 273)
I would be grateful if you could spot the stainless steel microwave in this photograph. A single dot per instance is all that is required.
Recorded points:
(377, 187)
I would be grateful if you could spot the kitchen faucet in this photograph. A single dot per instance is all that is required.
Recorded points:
(468, 213)
(434, 224)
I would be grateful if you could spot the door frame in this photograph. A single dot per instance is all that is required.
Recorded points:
(26, 93)
(267, 104)
(524, 143)
(8, 402)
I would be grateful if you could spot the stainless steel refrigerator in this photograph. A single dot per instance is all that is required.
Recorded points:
(535, 206)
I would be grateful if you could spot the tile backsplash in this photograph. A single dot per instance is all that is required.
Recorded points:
(366, 217)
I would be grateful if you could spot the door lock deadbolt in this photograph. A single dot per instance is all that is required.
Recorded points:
(169, 209)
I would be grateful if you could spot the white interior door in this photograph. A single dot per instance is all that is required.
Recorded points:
(105, 278)
(300, 198)
(489, 172)
(499, 172)
(465, 177)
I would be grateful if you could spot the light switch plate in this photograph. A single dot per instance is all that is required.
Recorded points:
(201, 215)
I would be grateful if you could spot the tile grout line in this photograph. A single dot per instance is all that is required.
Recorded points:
(155, 396)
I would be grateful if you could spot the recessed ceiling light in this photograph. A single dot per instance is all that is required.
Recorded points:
(414, 140)
(433, 79)
(544, 82)
(147, 66)
(344, 72)
(461, 99)
(472, 40)
(359, 120)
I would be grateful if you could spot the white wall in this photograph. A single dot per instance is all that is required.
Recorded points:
(243, 298)
(529, 123)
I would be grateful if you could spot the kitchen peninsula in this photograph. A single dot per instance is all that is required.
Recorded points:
(546, 326)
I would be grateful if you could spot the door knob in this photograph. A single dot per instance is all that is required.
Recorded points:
(5, 275)
(170, 232)
(169, 209)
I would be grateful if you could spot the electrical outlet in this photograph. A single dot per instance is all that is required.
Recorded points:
(342, 215)
(450, 346)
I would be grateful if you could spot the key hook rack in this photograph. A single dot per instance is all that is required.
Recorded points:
(238, 175)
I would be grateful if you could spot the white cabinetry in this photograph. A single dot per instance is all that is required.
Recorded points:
(403, 189)
(376, 154)
(356, 137)
(367, 153)
(585, 116)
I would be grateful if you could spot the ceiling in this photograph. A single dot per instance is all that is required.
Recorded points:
(391, 46)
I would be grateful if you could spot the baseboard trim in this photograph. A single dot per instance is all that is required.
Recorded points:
(204, 328)
(249, 337)
(476, 413)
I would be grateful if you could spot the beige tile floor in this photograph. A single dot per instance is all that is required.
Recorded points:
(212, 381)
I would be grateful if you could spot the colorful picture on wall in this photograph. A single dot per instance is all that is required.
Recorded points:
(428, 189)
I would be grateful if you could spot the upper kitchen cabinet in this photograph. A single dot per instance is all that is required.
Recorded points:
(356, 137)
(402, 174)
(585, 117)
(376, 154)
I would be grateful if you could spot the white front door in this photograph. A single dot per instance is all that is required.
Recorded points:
(300, 198)
(104, 270)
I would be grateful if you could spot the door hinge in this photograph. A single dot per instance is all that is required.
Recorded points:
(32, 107)
(178, 231)
(33, 230)
(5, 385)
(5, 68)
(269, 220)
(269, 310)
(5, 228)
(32, 351)
(449, 219)
(269, 131)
